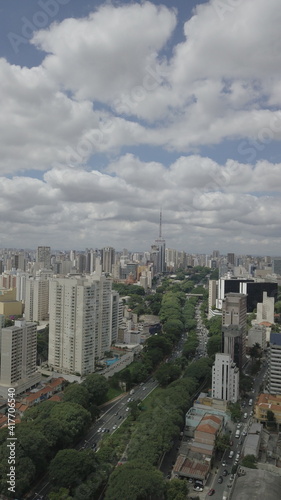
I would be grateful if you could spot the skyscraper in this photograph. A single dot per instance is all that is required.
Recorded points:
(274, 364)
(107, 259)
(83, 322)
(18, 351)
(158, 251)
(234, 327)
(43, 257)
(225, 378)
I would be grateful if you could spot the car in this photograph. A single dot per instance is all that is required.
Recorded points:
(144, 388)
(224, 472)
(223, 463)
(231, 477)
(245, 415)
(115, 414)
(99, 430)
(198, 488)
(114, 427)
(127, 409)
(220, 479)
(190, 480)
(211, 492)
(128, 400)
(231, 454)
(103, 430)
(244, 433)
(239, 425)
(237, 455)
(236, 462)
(120, 416)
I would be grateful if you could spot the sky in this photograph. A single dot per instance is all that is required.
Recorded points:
(114, 110)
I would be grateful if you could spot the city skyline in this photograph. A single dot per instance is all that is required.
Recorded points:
(102, 128)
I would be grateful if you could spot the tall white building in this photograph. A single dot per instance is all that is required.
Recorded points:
(36, 299)
(225, 378)
(83, 322)
(265, 309)
(18, 351)
(274, 364)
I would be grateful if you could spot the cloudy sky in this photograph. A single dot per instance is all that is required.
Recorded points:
(113, 109)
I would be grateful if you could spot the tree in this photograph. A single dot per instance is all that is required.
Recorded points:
(135, 480)
(176, 489)
(97, 387)
(270, 419)
(74, 419)
(235, 412)
(167, 373)
(71, 467)
(77, 393)
(62, 494)
(223, 442)
(214, 345)
(249, 461)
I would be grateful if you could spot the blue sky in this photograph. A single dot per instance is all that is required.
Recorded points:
(111, 110)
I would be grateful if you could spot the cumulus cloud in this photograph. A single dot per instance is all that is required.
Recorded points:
(107, 84)
(121, 204)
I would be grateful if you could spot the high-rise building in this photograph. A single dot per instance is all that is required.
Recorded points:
(234, 327)
(107, 259)
(225, 378)
(43, 257)
(157, 254)
(276, 266)
(265, 309)
(83, 322)
(18, 351)
(36, 299)
(274, 364)
(231, 259)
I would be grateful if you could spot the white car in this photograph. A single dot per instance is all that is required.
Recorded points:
(127, 409)
(99, 430)
(114, 427)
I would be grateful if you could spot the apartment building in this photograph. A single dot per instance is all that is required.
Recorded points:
(18, 351)
(84, 314)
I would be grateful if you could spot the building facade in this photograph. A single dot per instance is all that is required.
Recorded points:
(234, 327)
(274, 364)
(83, 322)
(225, 378)
(18, 351)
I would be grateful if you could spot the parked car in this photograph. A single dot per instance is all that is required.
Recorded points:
(223, 463)
(211, 492)
(220, 479)
(224, 472)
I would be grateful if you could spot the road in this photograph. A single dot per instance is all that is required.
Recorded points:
(109, 421)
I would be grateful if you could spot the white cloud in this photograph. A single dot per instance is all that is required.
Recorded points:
(120, 206)
(105, 85)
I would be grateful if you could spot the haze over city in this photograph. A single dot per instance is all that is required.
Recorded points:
(113, 110)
